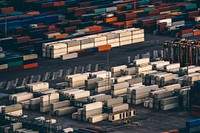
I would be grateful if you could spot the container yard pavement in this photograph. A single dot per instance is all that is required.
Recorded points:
(150, 121)
(118, 56)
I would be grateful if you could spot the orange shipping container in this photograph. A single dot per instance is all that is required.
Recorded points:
(196, 32)
(28, 66)
(61, 36)
(56, 4)
(95, 28)
(104, 48)
(118, 24)
(62, 3)
(33, 13)
(113, 19)
(130, 22)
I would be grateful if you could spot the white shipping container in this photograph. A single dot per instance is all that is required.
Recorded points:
(77, 77)
(121, 107)
(53, 96)
(156, 62)
(58, 51)
(98, 118)
(172, 66)
(116, 44)
(126, 38)
(25, 97)
(138, 36)
(138, 31)
(101, 43)
(92, 106)
(88, 45)
(58, 46)
(68, 94)
(118, 68)
(37, 86)
(73, 49)
(172, 87)
(69, 56)
(123, 78)
(119, 86)
(197, 19)
(142, 61)
(11, 97)
(139, 70)
(2, 106)
(111, 9)
(160, 66)
(80, 95)
(16, 113)
(118, 92)
(30, 57)
(113, 40)
(52, 35)
(138, 40)
(67, 130)
(127, 42)
(122, 33)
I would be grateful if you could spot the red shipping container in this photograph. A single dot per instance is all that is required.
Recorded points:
(120, 6)
(7, 10)
(154, 12)
(93, 32)
(56, 4)
(51, 12)
(193, 13)
(28, 66)
(129, 16)
(49, 4)
(84, 4)
(23, 39)
(79, 11)
(149, 21)
(52, 27)
(91, 8)
(54, 30)
(74, 22)
(62, 3)
(32, 41)
(70, 29)
(186, 31)
(118, 24)
(71, 9)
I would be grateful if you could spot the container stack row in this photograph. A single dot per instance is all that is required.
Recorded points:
(13, 62)
(18, 128)
(158, 85)
(93, 43)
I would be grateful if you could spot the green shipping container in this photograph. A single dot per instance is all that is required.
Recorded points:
(129, 7)
(176, 10)
(144, 2)
(187, 35)
(191, 6)
(149, 9)
(15, 64)
(100, 11)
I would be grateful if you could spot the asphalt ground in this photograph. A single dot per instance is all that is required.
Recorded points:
(117, 56)
(150, 121)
